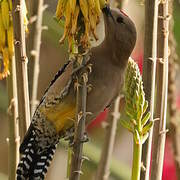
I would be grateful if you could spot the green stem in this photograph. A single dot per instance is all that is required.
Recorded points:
(137, 152)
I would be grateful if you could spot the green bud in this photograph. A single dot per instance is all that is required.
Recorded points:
(126, 124)
(147, 127)
(144, 138)
(145, 119)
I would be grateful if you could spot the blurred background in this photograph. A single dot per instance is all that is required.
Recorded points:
(52, 57)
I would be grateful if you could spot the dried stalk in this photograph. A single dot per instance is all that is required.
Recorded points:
(104, 164)
(81, 93)
(21, 67)
(149, 65)
(13, 139)
(174, 125)
(35, 55)
(159, 132)
(156, 134)
(32, 12)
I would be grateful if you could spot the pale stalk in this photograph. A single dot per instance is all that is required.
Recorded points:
(35, 52)
(21, 67)
(13, 138)
(103, 170)
(149, 73)
(159, 134)
(32, 12)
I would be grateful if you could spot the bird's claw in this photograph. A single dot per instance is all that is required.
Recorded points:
(85, 138)
(76, 85)
(89, 67)
(85, 77)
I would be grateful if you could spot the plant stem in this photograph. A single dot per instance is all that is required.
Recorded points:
(32, 12)
(174, 125)
(77, 158)
(35, 55)
(136, 169)
(21, 67)
(13, 139)
(104, 164)
(159, 82)
(159, 134)
(149, 65)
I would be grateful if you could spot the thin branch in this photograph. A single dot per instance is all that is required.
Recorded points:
(156, 134)
(159, 134)
(104, 164)
(21, 67)
(32, 12)
(35, 55)
(77, 157)
(13, 139)
(149, 65)
(174, 125)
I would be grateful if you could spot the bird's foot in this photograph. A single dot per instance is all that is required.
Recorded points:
(69, 136)
(85, 138)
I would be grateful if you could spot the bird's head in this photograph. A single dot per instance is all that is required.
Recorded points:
(120, 32)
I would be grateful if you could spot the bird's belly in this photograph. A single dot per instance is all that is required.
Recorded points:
(62, 115)
(102, 94)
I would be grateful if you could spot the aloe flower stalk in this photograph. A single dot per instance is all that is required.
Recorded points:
(136, 106)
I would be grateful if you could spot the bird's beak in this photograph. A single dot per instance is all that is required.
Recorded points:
(107, 11)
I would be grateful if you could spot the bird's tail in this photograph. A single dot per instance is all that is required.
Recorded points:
(34, 164)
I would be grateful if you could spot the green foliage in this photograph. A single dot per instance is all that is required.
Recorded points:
(136, 105)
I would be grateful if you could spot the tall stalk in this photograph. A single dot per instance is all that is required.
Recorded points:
(35, 52)
(32, 12)
(81, 96)
(159, 134)
(107, 150)
(21, 67)
(13, 138)
(138, 119)
(149, 65)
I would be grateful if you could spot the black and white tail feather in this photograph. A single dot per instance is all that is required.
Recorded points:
(34, 163)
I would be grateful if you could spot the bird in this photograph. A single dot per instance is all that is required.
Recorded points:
(55, 115)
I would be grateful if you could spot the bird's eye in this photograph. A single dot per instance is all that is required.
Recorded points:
(119, 19)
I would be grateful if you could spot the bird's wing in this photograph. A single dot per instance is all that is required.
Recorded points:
(63, 76)
(55, 106)
(60, 85)
(58, 104)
